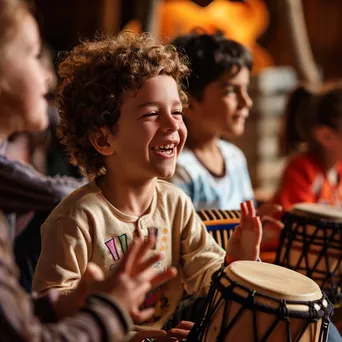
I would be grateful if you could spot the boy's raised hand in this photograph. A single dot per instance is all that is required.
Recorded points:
(244, 244)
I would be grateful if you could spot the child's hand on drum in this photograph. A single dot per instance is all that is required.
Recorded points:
(269, 215)
(177, 334)
(244, 243)
(270, 218)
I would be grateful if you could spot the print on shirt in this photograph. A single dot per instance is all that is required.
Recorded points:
(118, 246)
(112, 246)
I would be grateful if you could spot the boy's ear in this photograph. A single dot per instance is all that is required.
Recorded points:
(103, 141)
(324, 135)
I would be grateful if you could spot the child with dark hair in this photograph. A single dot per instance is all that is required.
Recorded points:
(313, 135)
(211, 171)
(121, 103)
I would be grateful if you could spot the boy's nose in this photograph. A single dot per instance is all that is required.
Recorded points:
(170, 124)
(245, 100)
(173, 129)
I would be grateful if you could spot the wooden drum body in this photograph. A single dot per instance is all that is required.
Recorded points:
(311, 243)
(253, 301)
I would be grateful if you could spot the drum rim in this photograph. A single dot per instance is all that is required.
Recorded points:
(314, 221)
(311, 313)
(304, 207)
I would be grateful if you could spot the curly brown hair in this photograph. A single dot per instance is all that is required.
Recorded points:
(94, 76)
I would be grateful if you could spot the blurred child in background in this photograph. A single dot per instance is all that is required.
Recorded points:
(212, 171)
(313, 139)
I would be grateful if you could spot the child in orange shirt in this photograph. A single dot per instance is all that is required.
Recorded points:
(313, 128)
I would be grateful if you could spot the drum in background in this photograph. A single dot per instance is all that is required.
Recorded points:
(252, 301)
(311, 243)
(220, 223)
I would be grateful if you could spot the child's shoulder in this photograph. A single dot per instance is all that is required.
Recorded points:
(81, 199)
(170, 192)
(230, 150)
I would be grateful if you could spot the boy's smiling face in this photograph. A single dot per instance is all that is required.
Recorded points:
(150, 133)
(225, 104)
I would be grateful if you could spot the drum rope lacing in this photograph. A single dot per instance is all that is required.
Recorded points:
(282, 313)
(330, 242)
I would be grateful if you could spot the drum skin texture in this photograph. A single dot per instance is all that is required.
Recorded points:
(252, 301)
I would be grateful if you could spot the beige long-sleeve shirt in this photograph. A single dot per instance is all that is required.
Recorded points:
(86, 227)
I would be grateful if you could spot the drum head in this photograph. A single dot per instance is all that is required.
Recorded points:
(319, 211)
(272, 280)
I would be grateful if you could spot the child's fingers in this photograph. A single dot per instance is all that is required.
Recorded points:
(146, 246)
(152, 259)
(141, 335)
(257, 226)
(156, 278)
(250, 208)
(269, 209)
(178, 333)
(142, 315)
(93, 273)
(244, 212)
(140, 291)
(130, 258)
(163, 277)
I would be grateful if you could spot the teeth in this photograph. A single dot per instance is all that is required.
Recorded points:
(164, 147)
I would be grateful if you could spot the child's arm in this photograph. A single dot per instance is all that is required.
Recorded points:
(66, 251)
(200, 255)
(244, 244)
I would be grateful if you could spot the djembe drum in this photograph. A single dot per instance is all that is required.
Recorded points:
(311, 243)
(252, 301)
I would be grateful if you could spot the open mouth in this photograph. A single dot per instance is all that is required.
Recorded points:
(167, 150)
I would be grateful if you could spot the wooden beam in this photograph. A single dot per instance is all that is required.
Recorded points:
(300, 44)
(110, 15)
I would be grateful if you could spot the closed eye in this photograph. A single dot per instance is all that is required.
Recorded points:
(150, 114)
(230, 90)
(177, 112)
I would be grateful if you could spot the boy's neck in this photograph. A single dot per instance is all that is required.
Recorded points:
(128, 197)
(203, 142)
(208, 153)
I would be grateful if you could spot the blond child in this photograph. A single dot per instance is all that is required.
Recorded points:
(121, 104)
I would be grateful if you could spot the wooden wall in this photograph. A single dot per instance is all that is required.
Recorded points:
(65, 20)
(323, 19)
